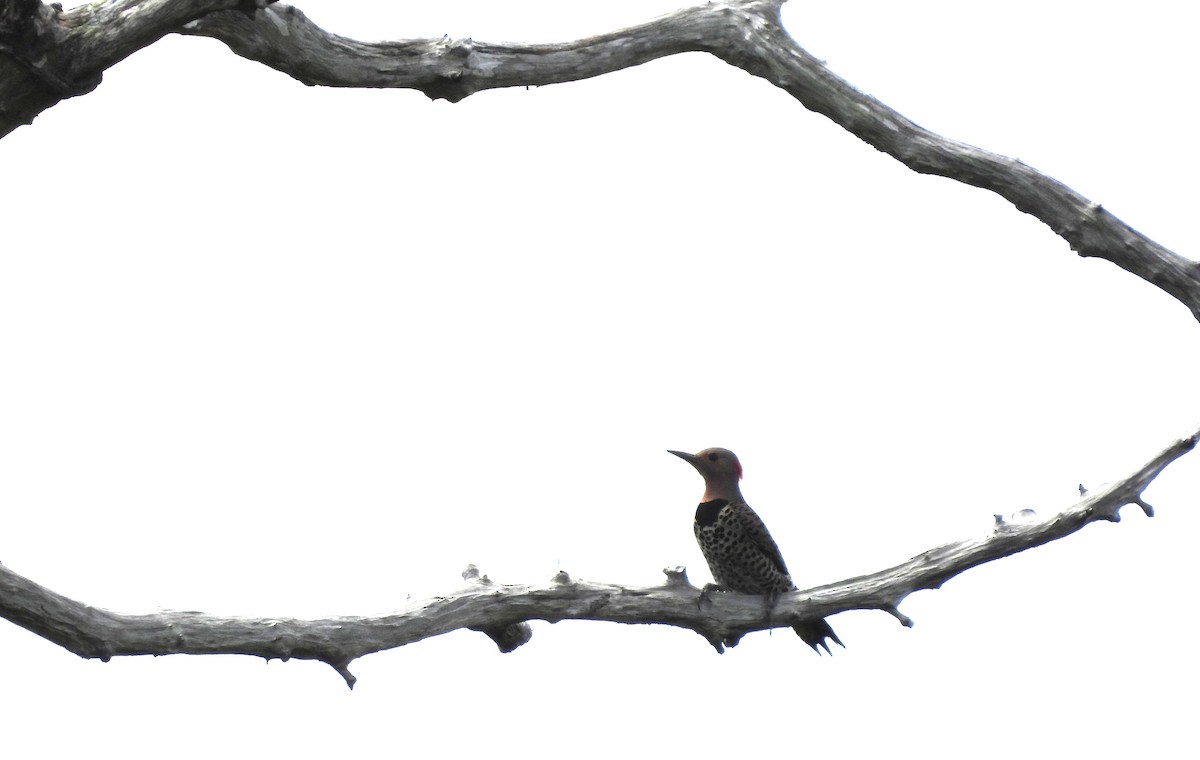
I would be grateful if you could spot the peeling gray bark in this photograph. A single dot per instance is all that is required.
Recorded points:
(502, 612)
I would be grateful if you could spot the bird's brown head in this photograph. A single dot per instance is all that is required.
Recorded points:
(720, 469)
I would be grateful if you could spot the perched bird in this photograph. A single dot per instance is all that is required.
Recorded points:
(740, 552)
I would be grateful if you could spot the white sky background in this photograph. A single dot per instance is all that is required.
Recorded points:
(277, 350)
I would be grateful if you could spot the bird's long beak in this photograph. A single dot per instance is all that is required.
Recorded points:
(689, 458)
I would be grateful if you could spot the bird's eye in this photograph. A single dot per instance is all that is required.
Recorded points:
(713, 457)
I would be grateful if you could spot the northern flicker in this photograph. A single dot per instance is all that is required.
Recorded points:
(736, 544)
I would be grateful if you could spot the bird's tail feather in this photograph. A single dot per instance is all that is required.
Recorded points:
(815, 632)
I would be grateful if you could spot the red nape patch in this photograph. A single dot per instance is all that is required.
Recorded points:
(739, 466)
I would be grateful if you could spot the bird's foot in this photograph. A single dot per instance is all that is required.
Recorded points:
(705, 592)
(770, 599)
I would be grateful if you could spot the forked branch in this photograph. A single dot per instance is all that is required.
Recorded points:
(502, 611)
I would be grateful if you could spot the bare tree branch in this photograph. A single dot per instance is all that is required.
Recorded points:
(748, 34)
(47, 55)
(769, 52)
(502, 612)
(452, 69)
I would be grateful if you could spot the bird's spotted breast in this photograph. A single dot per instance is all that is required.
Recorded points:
(706, 513)
(738, 549)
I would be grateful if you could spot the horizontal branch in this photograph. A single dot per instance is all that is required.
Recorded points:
(502, 611)
(283, 38)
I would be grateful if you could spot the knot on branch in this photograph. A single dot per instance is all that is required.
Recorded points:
(508, 637)
(251, 7)
(454, 49)
(451, 70)
(1016, 519)
(471, 575)
(677, 576)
